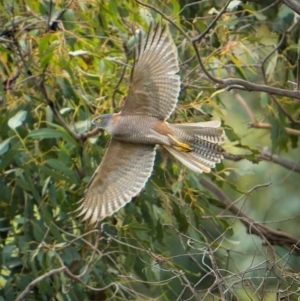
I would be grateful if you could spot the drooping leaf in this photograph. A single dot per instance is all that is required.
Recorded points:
(180, 216)
(46, 133)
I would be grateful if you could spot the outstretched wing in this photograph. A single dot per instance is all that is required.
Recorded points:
(154, 85)
(123, 172)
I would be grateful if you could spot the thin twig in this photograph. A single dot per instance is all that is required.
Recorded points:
(34, 282)
(244, 104)
(268, 126)
(197, 39)
(284, 111)
(285, 33)
(212, 24)
(51, 105)
(119, 83)
(165, 17)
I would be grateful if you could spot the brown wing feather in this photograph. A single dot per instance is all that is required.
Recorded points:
(154, 85)
(123, 172)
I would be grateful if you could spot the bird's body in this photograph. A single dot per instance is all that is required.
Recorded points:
(141, 126)
(151, 130)
(138, 129)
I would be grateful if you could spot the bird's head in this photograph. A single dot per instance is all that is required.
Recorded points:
(102, 121)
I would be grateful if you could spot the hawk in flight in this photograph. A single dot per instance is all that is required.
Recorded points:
(141, 126)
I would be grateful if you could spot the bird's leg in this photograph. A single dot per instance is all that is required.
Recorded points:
(180, 146)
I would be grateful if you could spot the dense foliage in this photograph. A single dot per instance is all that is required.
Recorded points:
(184, 237)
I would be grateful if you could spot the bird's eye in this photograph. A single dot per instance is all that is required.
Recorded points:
(98, 120)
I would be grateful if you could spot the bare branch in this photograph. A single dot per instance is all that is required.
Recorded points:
(268, 126)
(164, 17)
(34, 282)
(227, 83)
(119, 83)
(244, 104)
(212, 24)
(267, 156)
(292, 4)
(285, 112)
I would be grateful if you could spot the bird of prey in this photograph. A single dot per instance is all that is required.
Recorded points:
(141, 126)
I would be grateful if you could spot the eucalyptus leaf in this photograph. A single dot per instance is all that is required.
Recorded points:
(78, 52)
(17, 119)
(46, 133)
(4, 146)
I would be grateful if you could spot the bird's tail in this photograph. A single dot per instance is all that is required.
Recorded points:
(198, 146)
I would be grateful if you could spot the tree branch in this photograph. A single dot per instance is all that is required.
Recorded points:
(292, 4)
(284, 35)
(269, 235)
(212, 24)
(78, 137)
(244, 104)
(34, 282)
(284, 111)
(268, 126)
(164, 17)
(267, 156)
(227, 83)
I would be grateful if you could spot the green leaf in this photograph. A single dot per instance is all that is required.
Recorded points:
(46, 133)
(251, 157)
(279, 136)
(264, 99)
(260, 16)
(59, 166)
(226, 226)
(78, 52)
(176, 6)
(46, 59)
(54, 174)
(44, 42)
(159, 232)
(17, 119)
(81, 126)
(65, 111)
(70, 255)
(4, 146)
(180, 217)
(38, 231)
(33, 187)
(177, 186)
(230, 134)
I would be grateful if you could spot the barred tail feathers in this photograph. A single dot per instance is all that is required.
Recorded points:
(208, 130)
(188, 160)
(204, 139)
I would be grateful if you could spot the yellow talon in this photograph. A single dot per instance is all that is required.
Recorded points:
(180, 146)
